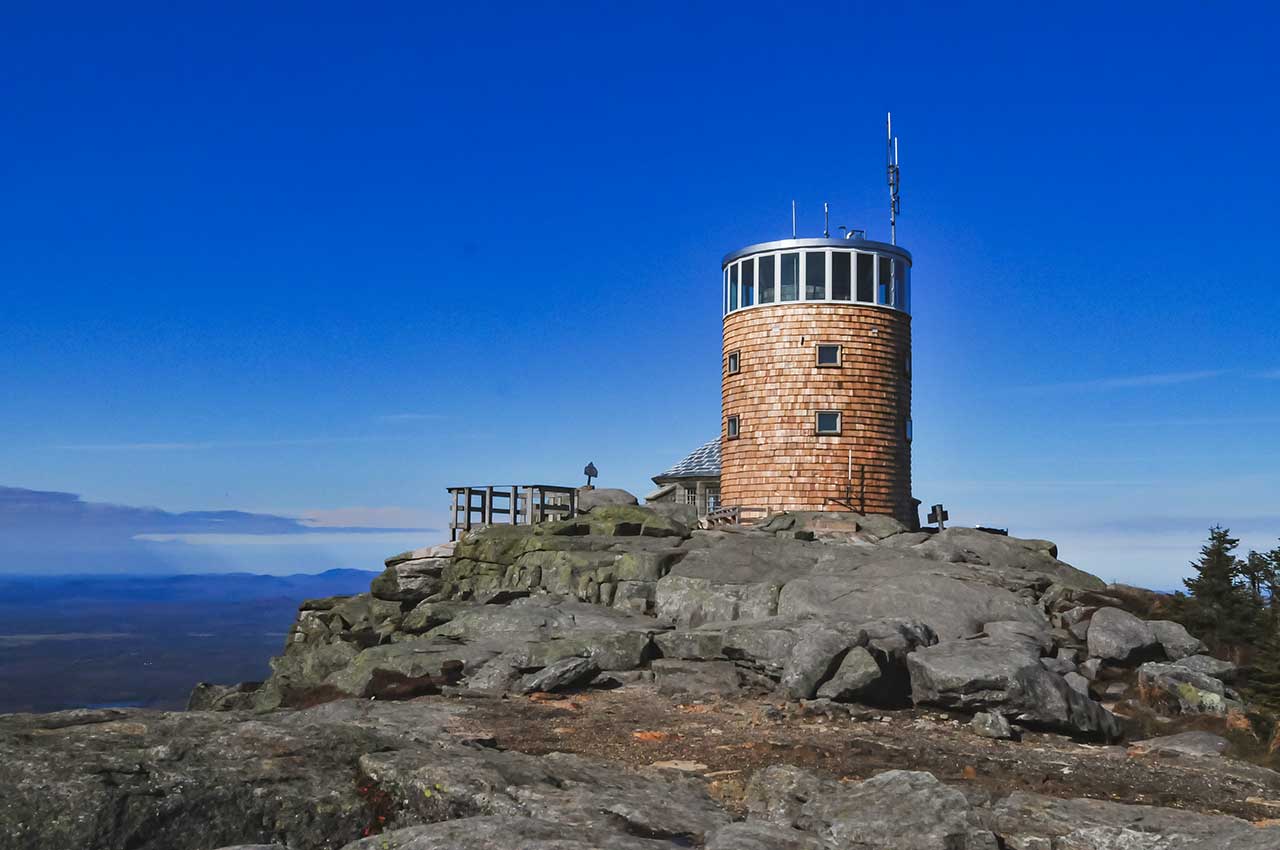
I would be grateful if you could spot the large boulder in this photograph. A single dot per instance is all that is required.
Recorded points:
(1178, 689)
(403, 670)
(697, 678)
(616, 520)
(1194, 744)
(409, 579)
(1117, 635)
(815, 657)
(590, 498)
(210, 697)
(1007, 677)
(1034, 822)
(559, 675)
(1221, 670)
(854, 679)
(907, 588)
(1175, 640)
(690, 602)
(895, 810)
(1010, 555)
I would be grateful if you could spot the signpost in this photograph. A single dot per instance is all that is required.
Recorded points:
(591, 472)
(939, 515)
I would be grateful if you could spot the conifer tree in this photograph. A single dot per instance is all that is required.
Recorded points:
(1221, 609)
(1258, 570)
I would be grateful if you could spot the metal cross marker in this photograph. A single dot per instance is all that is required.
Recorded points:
(590, 472)
(939, 515)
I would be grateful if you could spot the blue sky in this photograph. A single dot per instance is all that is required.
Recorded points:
(320, 261)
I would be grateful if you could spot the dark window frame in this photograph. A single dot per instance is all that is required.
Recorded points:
(817, 355)
(732, 427)
(733, 361)
(817, 423)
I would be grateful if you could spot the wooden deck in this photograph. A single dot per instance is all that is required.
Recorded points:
(509, 504)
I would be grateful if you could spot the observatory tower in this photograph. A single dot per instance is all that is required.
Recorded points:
(816, 386)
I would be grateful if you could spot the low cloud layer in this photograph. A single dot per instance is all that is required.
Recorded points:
(48, 531)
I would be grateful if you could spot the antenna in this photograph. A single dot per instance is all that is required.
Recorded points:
(826, 220)
(793, 219)
(895, 177)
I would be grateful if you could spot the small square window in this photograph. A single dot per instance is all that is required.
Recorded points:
(731, 427)
(734, 359)
(828, 422)
(828, 355)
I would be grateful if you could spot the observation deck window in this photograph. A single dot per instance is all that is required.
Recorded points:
(841, 279)
(767, 279)
(866, 278)
(833, 275)
(815, 276)
(790, 277)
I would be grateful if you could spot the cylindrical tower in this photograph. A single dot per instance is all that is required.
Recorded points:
(816, 388)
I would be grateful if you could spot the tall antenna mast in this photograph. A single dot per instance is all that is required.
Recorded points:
(895, 177)
(826, 220)
(793, 219)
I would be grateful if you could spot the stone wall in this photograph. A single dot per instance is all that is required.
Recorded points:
(779, 462)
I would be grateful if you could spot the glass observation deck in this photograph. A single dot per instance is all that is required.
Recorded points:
(838, 271)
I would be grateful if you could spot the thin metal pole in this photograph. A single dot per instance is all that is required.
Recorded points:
(793, 219)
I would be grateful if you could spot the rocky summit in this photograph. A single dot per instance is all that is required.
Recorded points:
(622, 680)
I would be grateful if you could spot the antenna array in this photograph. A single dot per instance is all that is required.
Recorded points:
(895, 177)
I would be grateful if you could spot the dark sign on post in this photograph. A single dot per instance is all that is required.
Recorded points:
(939, 515)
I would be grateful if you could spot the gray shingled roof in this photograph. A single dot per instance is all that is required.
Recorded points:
(703, 462)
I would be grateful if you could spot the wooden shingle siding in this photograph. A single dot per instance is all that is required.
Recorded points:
(779, 462)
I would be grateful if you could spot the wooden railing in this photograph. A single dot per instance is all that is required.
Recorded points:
(734, 515)
(517, 504)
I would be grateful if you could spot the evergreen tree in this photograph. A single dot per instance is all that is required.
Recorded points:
(1259, 573)
(1264, 676)
(1222, 610)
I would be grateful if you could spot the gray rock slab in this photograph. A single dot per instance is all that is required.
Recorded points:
(989, 724)
(1023, 816)
(1224, 671)
(1007, 677)
(1185, 744)
(1020, 630)
(1184, 690)
(561, 675)
(696, 678)
(692, 601)
(1176, 641)
(951, 607)
(594, 497)
(1117, 635)
(895, 810)
(758, 835)
(858, 671)
(814, 658)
